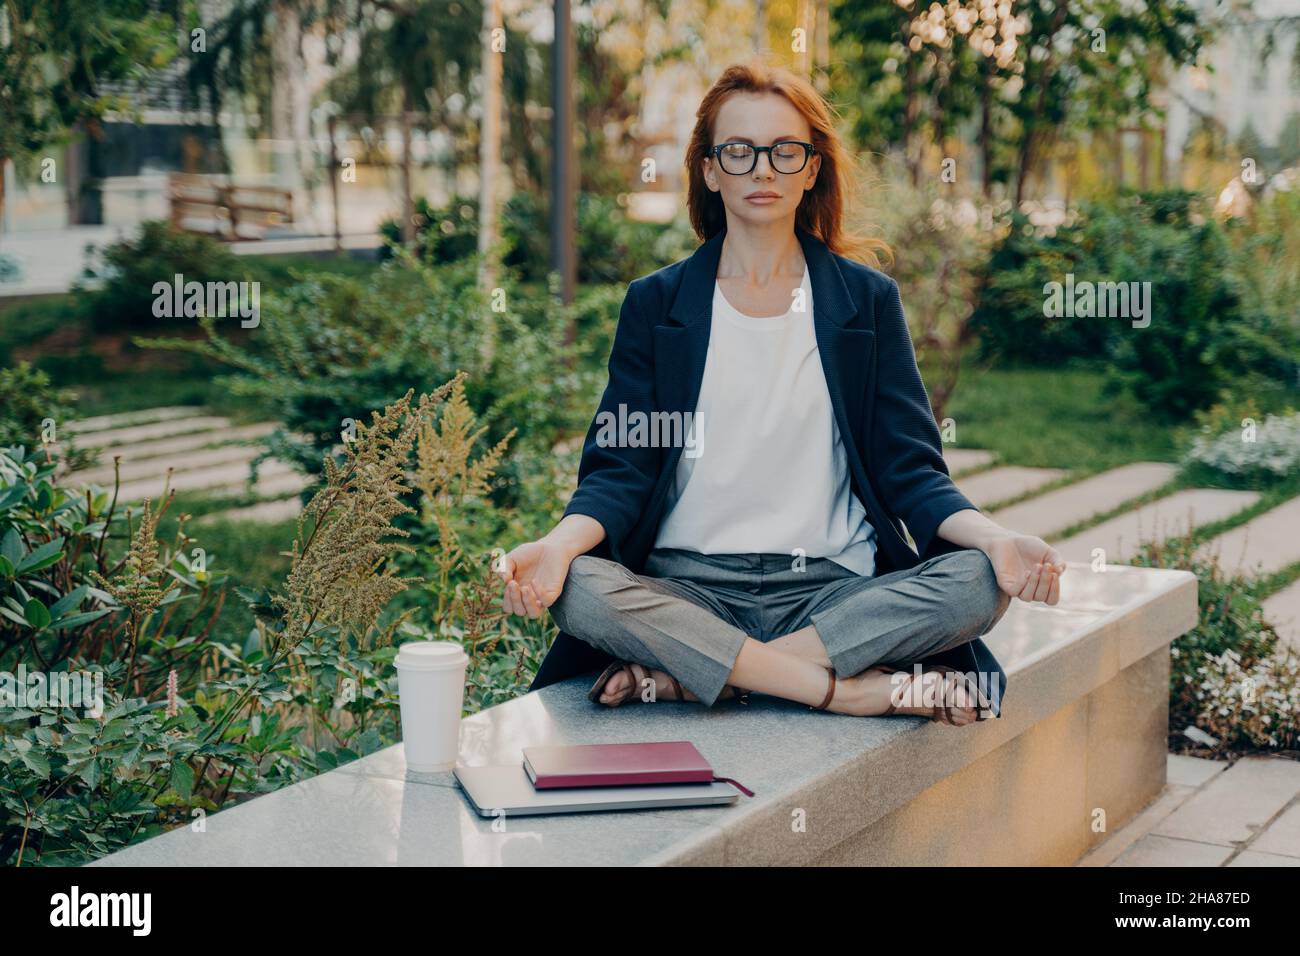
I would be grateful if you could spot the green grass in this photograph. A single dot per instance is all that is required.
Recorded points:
(110, 374)
(1056, 419)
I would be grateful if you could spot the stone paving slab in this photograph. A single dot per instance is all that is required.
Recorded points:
(1251, 858)
(1234, 806)
(1282, 838)
(1166, 518)
(180, 444)
(962, 460)
(1282, 610)
(99, 423)
(1193, 771)
(274, 478)
(133, 469)
(1264, 544)
(132, 434)
(988, 488)
(1047, 515)
(1154, 850)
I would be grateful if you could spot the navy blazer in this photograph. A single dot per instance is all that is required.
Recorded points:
(892, 442)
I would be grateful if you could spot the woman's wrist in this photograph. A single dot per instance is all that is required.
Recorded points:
(972, 529)
(575, 534)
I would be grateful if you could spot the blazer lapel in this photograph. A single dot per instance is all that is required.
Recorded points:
(844, 351)
(682, 343)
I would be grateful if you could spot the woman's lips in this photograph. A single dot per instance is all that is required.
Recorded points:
(762, 200)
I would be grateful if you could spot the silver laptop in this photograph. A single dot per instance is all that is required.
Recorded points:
(507, 791)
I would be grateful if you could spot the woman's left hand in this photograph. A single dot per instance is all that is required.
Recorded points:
(1026, 567)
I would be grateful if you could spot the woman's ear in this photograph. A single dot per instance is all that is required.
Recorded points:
(814, 168)
(710, 174)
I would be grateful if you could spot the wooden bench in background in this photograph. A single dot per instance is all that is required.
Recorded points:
(232, 211)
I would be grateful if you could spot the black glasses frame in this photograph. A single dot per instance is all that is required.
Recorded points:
(808, 150)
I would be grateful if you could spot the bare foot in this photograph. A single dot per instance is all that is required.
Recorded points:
(617, 687)
(870, 694)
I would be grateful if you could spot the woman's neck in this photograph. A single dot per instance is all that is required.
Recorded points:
(757, 254)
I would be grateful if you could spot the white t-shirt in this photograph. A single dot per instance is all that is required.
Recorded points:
(768, 472)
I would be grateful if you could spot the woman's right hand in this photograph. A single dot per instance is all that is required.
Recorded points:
(534, 573)
(534, 576)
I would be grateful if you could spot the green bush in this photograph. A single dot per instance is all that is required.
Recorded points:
(1208, 337)
(125, 301)
(28, 400)
(189, 719)
(1228, 675)
(611, 247)
(332, 349)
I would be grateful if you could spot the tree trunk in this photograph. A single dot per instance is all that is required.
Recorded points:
(289, 102)
(986, 130)
(408, 200)
(909, 114)
(823, 39)
(489, 146)
(334, 184)
(1028, 143)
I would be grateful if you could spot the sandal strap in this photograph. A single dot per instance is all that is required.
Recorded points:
(830, 690)
(638, 687)
(677, 688)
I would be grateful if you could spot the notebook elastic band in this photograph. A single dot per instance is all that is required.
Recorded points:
(737, 784)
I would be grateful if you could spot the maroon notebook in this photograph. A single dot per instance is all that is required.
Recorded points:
(619, 765)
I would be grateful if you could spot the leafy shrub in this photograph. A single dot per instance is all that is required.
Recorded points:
(192, 719)
(28, 399)
(938, 248)
(611, 246)
(132, 266)
(1206, 339)
(331, 349)
(1250, 452)
(1228, 675)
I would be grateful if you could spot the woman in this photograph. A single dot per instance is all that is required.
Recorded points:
(760, 545)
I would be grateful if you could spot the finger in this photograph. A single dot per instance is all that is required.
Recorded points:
(1054, 595)
(1027, 590)
(506, 568)
(530, 602)
(1044, 587)
(512, 595)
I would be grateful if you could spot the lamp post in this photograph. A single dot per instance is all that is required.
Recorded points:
(564, 166)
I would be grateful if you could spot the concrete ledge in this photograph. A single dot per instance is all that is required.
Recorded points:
(1083, 733)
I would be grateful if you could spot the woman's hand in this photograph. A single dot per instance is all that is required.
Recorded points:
(1026, 567)
(534, 573)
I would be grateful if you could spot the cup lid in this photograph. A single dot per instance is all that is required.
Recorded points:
(431, 655)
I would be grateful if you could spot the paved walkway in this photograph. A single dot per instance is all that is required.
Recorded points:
(205, 453)
(1211, 814)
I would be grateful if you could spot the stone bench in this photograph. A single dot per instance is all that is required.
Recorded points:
(1083, 733)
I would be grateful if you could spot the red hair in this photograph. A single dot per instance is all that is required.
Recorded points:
(821, 210)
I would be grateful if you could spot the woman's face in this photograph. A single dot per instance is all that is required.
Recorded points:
(764, 194)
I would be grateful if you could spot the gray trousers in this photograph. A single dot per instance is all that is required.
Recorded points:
(689, 613)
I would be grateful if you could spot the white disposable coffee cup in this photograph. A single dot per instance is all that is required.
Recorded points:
(431, 693)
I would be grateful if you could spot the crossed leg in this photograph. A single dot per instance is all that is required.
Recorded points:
(672, 627)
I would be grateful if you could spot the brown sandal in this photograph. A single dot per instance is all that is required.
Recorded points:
(635, 686)
(830, 691)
